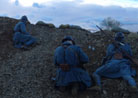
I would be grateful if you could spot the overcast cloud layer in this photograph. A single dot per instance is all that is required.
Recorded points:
(78, 12)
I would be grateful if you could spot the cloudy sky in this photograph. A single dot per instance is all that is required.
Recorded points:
(86, 13)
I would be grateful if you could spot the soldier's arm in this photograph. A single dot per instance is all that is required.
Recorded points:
(130, 50)
(83, 57)
(23, 29)
(110, 50)
(55, 59)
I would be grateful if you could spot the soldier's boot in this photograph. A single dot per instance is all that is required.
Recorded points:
(74, 90)
(96, 88)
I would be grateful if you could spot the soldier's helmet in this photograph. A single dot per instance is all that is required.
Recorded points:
(68, 38)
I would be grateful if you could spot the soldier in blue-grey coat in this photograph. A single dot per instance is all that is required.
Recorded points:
(117, 65)
(69, 59)
(21, 38)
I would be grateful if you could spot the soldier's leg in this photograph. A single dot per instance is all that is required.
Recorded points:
(131, 82)
(97, 78)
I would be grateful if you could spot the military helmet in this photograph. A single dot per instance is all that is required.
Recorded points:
(24, 18)
(68, 38)
(119, 36)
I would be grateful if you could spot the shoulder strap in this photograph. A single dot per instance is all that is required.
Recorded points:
(64, 47)
(75, 52)
(71, 49)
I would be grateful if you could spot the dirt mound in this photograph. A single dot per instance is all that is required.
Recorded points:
(26, 74)
(6, 33)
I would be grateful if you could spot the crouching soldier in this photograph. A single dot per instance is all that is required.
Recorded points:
(70, 73)
(21, 38)
(117, 64)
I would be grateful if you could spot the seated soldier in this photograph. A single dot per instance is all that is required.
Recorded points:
(21, 38)
(117, 64)
(70, 73)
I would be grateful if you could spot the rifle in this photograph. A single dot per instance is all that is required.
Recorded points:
(117, 44)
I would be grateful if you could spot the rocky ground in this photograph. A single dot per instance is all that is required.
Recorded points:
(26, 74)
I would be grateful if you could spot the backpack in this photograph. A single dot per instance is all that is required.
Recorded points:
(65, 66)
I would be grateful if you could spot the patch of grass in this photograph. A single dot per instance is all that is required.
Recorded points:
(132, 36)
(62, 26)
(41, 23)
